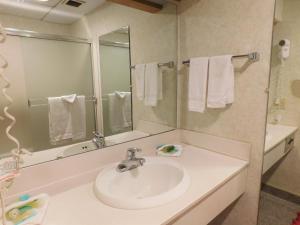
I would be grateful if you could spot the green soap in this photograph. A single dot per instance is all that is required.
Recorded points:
(24, 208)
(169, 149)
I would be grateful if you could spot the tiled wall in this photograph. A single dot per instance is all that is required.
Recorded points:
(216, 27)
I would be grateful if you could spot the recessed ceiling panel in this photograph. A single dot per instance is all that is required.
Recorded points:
(57, 11)
(51, 3)
(59, 16)
(22, 8)
(64, 13)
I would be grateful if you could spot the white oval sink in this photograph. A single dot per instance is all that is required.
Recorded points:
(157, 182)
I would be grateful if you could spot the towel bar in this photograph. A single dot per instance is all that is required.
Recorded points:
(253, 56)
(43, 102)
(170, 64)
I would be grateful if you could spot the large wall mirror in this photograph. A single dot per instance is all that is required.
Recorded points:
(88, 77)
(280, 193)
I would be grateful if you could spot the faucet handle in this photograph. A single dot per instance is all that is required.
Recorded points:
(97, 134)
(132, 151)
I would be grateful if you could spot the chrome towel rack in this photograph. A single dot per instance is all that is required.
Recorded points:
(170, 65)
(44, 101)
(253, 57)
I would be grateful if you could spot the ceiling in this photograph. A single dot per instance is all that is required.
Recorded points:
(56, 11)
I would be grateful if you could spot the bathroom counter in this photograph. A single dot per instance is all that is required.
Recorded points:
(276, 134)
(209, 173)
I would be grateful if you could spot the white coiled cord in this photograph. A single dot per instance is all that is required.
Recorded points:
(7, 180)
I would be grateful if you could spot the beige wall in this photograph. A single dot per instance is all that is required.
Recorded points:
(153, 39)
(216, 27)
(285, 84)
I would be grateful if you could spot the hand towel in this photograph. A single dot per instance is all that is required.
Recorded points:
(160, 83)
(197, 85)
(67, 120)
(78, 113)
(125, 103)
(152, 84)
(119, 105)
(139, 75)
(60, 120)
(220, 82)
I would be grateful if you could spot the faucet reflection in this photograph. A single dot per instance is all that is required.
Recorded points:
(98, 140)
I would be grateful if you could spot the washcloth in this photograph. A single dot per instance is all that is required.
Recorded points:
(197, 85)
(220, 82)
(69, 98)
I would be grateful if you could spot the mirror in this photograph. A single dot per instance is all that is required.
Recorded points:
(87, 79)
(280, 191)
(114, 49)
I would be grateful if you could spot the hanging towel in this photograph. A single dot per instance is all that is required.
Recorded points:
(139, 74)
(152, 84)
(78, 113)
(197, 85)
(119, 105)
(160, 83)
(67, 120)
(220, 82)
(60, 120)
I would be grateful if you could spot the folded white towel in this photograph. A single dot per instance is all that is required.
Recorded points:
(152, 84)
(67, 119)
(119, 105)
(139, 75)
(69, 98)
(197, 87)
(220, 82)
(60, 120)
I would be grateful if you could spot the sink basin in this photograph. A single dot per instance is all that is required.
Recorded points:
(157, 182)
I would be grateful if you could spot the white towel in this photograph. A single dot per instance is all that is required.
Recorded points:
(220, 82)
(153, 84)
(78, 113)
(66, 120)
(139, 75)
(119, 104)
(69, 98)
(160, 83)
(198, 73)
(125, 100)
(60, 120)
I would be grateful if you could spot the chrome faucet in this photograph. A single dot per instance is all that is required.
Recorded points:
(131, 161)
(98, 139)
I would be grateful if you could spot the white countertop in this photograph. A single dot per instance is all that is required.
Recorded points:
(276, 134)
(208, 171)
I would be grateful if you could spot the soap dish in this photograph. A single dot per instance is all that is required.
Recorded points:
(176, 150)
(37, 215)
